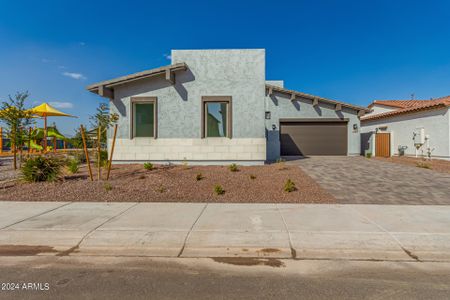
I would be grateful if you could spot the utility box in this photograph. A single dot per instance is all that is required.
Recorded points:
(419, 137)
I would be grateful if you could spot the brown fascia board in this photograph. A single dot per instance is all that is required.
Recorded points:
(136, 76)
(274, 88)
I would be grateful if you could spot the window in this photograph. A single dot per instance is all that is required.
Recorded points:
(216, 112)
(144, 117)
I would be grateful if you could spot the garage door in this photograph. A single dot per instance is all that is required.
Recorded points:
(313, 138)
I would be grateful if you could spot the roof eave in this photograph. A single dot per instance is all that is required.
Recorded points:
(399, 113)
(167, 70)
(293, 93)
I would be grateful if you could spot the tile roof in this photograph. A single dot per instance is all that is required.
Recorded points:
(407, 106)
(397, 103)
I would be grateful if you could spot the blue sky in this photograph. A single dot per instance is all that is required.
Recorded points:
(354, 51)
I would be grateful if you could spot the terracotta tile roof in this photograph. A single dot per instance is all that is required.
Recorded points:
(407, 106)
(397, 103)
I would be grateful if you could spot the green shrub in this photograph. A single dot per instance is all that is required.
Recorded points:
(218, 189)
(280, 160)
(252, 176)
(148, 166)
(73, 166)
(423, 165)
(368, 155)
(80, 157)
(185, 163)
(108, 187)
(233, 167)
(103, 158)
(289, 186)
(41, 168)
(199, 176)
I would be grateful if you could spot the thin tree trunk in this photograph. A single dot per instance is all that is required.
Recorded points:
(13, 148)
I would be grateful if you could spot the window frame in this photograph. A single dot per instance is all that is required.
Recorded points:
(144, 100)
(217, 99)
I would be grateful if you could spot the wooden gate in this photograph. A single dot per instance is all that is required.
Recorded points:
(383, 144)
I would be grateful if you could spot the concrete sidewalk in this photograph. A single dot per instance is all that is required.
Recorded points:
(301, 231)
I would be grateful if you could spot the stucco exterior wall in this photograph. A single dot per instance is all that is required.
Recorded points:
(281, 107)
(378, 109)
(436, 124)
(236, 73)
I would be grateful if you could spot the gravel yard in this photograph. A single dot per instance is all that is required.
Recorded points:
(6, 171)
(438, 165)
(177, 184)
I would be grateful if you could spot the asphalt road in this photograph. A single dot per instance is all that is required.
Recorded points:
(150, 278)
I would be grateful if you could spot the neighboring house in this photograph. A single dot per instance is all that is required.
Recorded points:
(409, 127)
(215, 107)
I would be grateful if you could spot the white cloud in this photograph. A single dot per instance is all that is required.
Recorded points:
(58, 104)
(77, 76)
(61, 67)
(167, 56)
(82, 44)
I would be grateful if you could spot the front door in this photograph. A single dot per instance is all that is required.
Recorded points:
(383, 144)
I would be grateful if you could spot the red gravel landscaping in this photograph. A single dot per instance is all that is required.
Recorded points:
(438, 165)
(177, 184)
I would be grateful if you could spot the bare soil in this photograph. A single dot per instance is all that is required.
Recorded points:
(177, 184)
(438, 165)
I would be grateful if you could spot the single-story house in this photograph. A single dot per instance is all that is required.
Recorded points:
(216, 107)
(407, 127)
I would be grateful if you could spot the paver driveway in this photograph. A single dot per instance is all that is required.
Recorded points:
(362, 180)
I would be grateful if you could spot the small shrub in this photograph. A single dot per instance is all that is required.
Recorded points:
(185, 163)
(80, 157)
(218, 189)
(103, 158)
(161, 189)
(233, 167)
(148, 166)
(252, 177)
(199, 176)
(107, 186)
(280, 160)
(423, 165)
(41, 168)
(289, 186)
(368, 155)
(73, 166)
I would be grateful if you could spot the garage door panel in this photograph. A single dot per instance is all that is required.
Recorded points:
(313, 138)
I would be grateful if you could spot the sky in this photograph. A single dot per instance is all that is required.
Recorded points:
(352, 51)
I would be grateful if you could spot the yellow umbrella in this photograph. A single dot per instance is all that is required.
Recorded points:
(46, 110)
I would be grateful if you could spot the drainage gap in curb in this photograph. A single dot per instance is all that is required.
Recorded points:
(410, 254)
(250, 261)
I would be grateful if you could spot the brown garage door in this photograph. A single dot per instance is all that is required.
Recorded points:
(313, 138)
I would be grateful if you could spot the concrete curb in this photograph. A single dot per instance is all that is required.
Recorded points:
(296, 231)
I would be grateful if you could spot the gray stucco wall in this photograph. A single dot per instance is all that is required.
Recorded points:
(236, 73)
(281, 107)
(436, 125)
